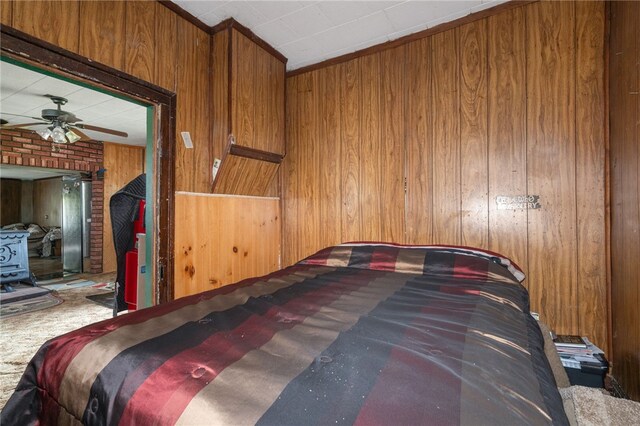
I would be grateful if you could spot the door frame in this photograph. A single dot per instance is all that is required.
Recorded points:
(30, 50)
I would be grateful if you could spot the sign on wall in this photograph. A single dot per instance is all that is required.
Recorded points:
(518, 202)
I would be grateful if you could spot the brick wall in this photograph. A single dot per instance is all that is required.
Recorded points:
(27, 148)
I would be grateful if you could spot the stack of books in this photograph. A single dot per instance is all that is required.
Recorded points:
(574, 350)
(583, 361)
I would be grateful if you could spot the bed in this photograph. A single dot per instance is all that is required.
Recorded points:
(355, 334)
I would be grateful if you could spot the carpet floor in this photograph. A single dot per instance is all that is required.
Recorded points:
(22, 335)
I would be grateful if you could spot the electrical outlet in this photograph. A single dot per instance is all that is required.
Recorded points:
(186, 138)
(216, 166)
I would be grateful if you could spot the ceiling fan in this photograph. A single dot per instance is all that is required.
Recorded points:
(61, 126)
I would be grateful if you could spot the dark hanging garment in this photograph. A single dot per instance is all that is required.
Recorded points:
(123, 208)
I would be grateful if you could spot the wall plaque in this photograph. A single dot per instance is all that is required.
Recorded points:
(518, 202)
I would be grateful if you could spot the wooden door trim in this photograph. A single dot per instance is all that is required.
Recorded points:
(23, 47)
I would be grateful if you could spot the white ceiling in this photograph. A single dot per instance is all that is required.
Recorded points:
(8, 171)
(22, 92)
(308, 32)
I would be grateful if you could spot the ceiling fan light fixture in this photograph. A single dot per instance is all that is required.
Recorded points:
(73, 138)
(44, 134)
(58, 135)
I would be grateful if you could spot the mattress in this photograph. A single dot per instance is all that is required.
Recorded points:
(355, 334)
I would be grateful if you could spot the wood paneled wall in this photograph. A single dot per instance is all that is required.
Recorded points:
(47, 202)
(413, 144)
(144, 39)
(123, 164)
(625, 193)
(10, 201)
(222, 239)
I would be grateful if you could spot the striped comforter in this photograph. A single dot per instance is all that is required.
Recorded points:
(361, 333)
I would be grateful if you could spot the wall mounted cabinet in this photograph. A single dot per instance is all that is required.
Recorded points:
(248, 95)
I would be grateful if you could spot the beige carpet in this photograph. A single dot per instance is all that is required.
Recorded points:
(595, 407)
(22, 335)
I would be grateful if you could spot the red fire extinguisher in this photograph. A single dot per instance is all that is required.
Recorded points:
(131, 262)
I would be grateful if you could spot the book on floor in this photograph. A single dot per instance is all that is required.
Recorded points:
(570, 341)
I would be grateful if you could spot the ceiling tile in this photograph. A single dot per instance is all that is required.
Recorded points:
(240, 11)
(304, 48)
(487, 4)
(357, 32)
(199, 8)
(341, 12)
(413, 13)
(307, 21)
(271, 10)
(375, 6)
(277, 32)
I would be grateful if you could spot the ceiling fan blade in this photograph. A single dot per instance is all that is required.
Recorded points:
(15, 126)
(20, 115)
(102, 130)
(83, 136)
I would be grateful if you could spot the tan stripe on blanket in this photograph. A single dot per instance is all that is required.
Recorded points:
(246, 389)
(94, 357)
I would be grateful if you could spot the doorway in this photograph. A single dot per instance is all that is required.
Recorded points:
(161, 103)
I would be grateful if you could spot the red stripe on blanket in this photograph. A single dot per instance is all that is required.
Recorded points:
(470, 268)
(169, 389)
(388, 401)
(61, 351)
(384, 260)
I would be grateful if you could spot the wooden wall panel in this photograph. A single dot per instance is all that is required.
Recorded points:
(123, 164)
(6, 13)
(308, 174)
(474, 180)
(419, 155)
(193, 166)
(445, 107)
(486, 109)
(329, 114)
(289, 171)
(220, 92)
(166, 48)
(10, 201)
(47, 202)
(392, 156)
(52, 21)
(371, 153)
(507, 150)
(590, 169)
(243, 90)
(624, 86)
(26, 201)
(102, 32)
(551, 163)
(220, 249)
(350, 151)
(140, 41)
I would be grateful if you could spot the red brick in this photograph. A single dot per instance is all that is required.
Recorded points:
(21, 139)
(22, 150)
(31, 146)
(50, 162)
(11, 132)
(58, 155)
(10, 143)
